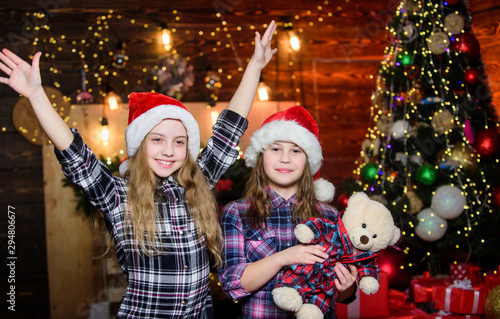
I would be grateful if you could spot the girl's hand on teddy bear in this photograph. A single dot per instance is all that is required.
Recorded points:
(303, 254)
(345, 277)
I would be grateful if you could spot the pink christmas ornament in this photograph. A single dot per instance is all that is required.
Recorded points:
(468, 132)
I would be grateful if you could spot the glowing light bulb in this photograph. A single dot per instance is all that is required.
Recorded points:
(104, 131)
(167, 39)
(294, 41)
(112, 100)
(263, 91)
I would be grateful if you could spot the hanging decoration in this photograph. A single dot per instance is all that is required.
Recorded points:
(487, 144)
(448, 202)
(212, 81)
(369, 172)
(174, 75)
(430, 226)
(400, 129)
(426, 174)
(415, 204)
(120, 58)
(492, 304)
(454, 23)
(442, 121)
(438, 42)
(84, 97)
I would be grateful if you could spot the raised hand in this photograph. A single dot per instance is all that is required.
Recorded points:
(25, 79)
(263, 51)
(22, 77)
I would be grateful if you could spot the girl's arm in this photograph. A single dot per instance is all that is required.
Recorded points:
(239, 276)
(259, 273)
(242, 100)
(25, 79)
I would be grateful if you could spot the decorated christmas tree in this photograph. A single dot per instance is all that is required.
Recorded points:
(432, 148)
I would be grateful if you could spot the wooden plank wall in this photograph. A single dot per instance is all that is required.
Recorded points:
(335, 85)
(21, 187)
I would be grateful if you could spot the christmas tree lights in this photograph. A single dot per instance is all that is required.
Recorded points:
(436, 133)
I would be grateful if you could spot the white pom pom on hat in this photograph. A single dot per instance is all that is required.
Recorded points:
(294, 125)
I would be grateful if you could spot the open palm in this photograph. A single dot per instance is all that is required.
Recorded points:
(22, 77)
(263, 51)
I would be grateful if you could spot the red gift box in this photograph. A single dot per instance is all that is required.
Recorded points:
(492, 279)
(398, 302)
(419, 314)
(408, 314)
(368, 306)
(458, 271)
(423, 289)
(451, 316)
(460, 298)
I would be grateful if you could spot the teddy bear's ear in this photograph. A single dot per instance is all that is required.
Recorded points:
(396, 234)
(358, 197)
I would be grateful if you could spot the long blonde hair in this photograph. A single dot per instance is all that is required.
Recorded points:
(142, 212)
(261, 206)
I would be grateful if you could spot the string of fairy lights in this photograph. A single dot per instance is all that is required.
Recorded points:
(95, 50)
(430, 24)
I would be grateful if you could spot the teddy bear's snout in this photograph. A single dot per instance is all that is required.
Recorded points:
(364, 239)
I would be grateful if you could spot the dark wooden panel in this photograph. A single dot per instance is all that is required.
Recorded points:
(32, 298)
(24, 186)
(19, 153)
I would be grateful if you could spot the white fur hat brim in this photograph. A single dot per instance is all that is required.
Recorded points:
(140, 127)
(285, 131)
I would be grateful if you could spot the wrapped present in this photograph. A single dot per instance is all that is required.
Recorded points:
(368, 306)
(458, 271)
(422, 289)
(492, 279)
(447, 315)
(460, 298)
(398, 301)
(462, 270)
(408, 314)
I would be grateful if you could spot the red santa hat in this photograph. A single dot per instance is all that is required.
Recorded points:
(146, 110)
(294, 125)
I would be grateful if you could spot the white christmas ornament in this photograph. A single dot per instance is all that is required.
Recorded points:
(454, 23)
(400, 129)
(430, 226)
(438, 42)
(448, 202)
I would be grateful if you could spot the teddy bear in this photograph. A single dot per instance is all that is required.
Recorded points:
(364, 229)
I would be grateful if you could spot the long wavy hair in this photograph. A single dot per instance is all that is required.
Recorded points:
(142, 212)
(261, 206)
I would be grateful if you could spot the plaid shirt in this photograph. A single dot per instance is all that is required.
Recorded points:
(244, 245)
(315, 282)
(174, 284)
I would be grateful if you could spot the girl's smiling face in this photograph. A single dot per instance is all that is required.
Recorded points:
(166, 147)
(284, 164)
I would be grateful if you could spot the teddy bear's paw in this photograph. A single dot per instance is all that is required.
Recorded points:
(287, 298)
(304, 234)
(368, 285)
(309, 311)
